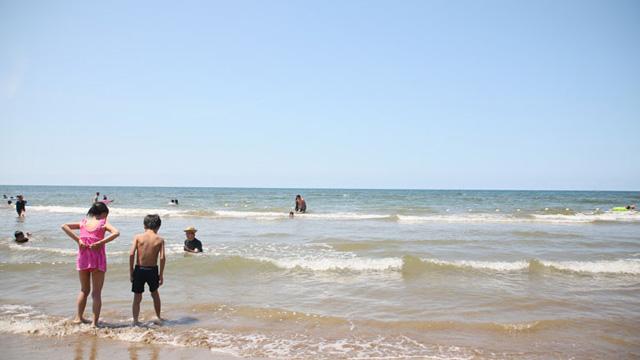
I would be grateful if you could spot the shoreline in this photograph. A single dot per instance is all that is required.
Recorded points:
(32, 347)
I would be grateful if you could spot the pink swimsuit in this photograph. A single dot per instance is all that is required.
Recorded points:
(92, 259)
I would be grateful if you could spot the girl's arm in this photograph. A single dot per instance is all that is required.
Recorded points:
(68, 229)
(114, 234)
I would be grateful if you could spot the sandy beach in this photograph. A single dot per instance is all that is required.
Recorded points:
(91, 348)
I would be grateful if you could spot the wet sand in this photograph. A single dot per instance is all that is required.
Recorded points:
(90, 348)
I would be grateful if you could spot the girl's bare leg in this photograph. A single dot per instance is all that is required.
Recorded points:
(81, 303)
(97, 279)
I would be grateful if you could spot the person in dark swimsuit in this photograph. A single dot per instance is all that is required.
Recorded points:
(192, 244)
(21, 205)
(20, 238)
(301, 205)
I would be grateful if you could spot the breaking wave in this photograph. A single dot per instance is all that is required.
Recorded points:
(470, 217)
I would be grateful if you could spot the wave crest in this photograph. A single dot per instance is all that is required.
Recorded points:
(479, 217)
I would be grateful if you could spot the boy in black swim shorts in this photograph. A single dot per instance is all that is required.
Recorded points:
(145, 274)
(145, 251)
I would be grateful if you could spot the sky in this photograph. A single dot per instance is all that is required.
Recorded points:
(333, 94)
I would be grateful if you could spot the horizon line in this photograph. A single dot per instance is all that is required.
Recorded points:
(319, 188)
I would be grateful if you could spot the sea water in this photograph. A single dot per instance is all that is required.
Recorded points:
(363, 274)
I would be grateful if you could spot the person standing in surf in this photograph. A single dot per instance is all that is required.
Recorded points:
(301, 205)
(92, 257)
(145, 251)
(21, 206)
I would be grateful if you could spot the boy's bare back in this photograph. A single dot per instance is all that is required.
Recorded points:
(148, 245)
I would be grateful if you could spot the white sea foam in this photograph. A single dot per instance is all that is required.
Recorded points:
(484, 265)
(468, 217)
(328, 264)
(622, 266)
(25, 320)
(612, 216)
(232, 214)
(113, 211)
(532, 218)
(359, 264)
(259, 215)
(348, 216)
(264, 215)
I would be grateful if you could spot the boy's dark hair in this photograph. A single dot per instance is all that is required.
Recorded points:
(18, 234)
(98, 208)
(152, 222)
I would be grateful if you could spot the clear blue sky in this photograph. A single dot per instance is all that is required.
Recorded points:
(356, 94)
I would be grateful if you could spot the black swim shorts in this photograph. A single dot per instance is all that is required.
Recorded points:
(145, 274)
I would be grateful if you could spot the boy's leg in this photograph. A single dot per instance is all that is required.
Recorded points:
(85, 288)
(137, 298)
(97, 280)
(156, 303)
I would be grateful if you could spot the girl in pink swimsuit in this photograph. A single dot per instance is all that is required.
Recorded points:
(92, 257)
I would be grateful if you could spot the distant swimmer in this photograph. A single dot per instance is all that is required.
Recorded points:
(174, 201)
(301, 205)
(20, 238)
(624, 208)
(290, 214)
(105, 200)
(191, 244)
(21, 206)
(97, 197)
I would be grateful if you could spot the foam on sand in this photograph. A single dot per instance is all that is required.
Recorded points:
(247, 343)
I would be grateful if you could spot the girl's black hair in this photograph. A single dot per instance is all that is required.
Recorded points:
(98, 208)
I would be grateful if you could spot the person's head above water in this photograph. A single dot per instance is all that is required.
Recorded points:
(190, 232)
(19, 236)
(98, 210)
(152, 222)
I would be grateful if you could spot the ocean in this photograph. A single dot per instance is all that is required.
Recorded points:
(386, 274)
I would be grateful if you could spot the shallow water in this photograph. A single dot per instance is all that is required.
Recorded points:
(365, 273)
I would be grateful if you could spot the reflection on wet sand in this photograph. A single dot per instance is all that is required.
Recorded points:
(88, 343)
(151, 350)
(86, 348)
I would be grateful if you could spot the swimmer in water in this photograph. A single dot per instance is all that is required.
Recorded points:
(301, 205)
(20, 238)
